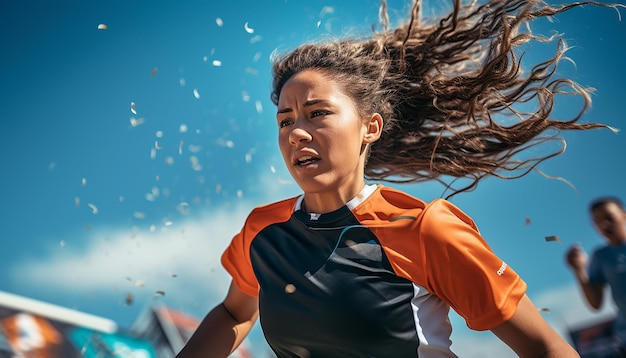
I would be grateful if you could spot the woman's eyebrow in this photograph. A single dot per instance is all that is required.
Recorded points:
(306, 104)
(312, 102)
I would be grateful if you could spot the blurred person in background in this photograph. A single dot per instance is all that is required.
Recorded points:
(607, 267)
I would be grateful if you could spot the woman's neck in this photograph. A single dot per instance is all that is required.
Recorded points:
(322, 203)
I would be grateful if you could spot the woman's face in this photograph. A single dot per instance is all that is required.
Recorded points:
(321, 136)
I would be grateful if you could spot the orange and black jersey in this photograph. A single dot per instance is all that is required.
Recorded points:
(374, 278)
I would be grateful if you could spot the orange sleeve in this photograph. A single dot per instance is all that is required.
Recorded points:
(236, 257)
(461, 269)
(236, 261)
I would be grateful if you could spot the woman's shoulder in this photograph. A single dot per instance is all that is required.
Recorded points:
(401, 198)
(429, 210)
(273, 212)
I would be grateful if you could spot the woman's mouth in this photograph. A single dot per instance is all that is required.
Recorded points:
(306, 160)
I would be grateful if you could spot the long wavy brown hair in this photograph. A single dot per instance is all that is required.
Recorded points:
(456, 101)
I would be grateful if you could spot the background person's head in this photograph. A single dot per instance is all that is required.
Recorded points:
(609, 218)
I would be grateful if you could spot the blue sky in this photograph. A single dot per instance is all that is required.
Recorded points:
(98, 201)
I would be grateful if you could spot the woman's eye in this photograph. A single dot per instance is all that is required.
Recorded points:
(318, 113)
(284, 123)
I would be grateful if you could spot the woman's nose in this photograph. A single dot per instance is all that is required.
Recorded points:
(299, 135)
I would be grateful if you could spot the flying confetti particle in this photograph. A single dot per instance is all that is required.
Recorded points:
(139, 215)
(248, 29)
(553, 238)
(52, 165)
(544, 309)
(129, 299)
(217, 63)
(327, 10)
(219, 22)
(157, 146)
(272, 169)
(159, 293)
(134, 122)
(195, 163)
(62, 243)
(290, 288)
(527, 221)
(102, 27)
(132, 107)
(248, 157)
(139, 283)
(173, 275)
(229, 144)
(154, 71)
(284, 181)
(94, 209)
(196, 93)
(259, 106)
(152, 153)
(252, 71)
(183, 128)
(159, 134)
(182, 82)
(239, 194)
(121, 198)
(169, 160)
(256, 39)
(183, 208)
(77, 201)
(83, 181)
(180, 147)
(245, 96)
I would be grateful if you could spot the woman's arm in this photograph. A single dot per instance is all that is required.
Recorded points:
(529, 335)
(224, 328)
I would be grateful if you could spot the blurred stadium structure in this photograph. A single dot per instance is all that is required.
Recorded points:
(31, 328)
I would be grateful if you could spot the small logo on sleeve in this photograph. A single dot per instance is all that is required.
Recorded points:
(502, 268)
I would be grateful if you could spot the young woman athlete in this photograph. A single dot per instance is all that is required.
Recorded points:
(350, 269)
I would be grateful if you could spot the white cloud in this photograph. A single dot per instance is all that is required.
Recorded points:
(474, 344)
(181, 259)
(569, 310)
(175, 259)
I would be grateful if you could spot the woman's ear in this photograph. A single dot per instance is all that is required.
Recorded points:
(374, 128)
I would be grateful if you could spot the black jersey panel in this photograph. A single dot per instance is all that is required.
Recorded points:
(327, 288)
